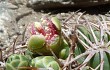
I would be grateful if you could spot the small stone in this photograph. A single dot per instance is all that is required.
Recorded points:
(62, 14)
(1, 31)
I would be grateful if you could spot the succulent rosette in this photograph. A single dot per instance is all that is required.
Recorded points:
(16, 61)
(45, 62)
(46, 35)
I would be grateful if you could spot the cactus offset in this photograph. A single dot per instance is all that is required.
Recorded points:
(15, 61)
(45, 62)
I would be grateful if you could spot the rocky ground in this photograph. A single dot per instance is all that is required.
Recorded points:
(15, 17)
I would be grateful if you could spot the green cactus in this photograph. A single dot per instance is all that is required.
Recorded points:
(93, 47)
(45, 62)
(15, 61)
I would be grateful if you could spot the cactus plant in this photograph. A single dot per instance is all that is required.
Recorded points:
(95, 43)
(45, 62)
(45, 36)
(15, 61)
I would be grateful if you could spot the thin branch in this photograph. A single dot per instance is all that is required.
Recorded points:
(23, 34)
(77, 21)
(56, 57)
(84, 44)
(33, 68)
(101, 30)
(108, 32)
(79, 67)
(91, 68)
(92, 31)
(105, 24)
(68, 59)
(88, 58)
(102, 34)
(93, 34)
(77, 57)
(15, 43)
(71, 16)
(72, 48)
(99, 65)
(107, 50)
(95, 25)
(1, 55)
(107, 45)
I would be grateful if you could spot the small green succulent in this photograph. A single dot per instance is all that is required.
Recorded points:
(15, 61)
(45, 62)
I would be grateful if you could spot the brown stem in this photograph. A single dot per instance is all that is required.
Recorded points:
(61, 65)
(15, 44)
(1, 58)
(71, 16)
(77, 57)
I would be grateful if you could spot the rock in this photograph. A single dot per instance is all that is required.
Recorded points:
(13, 21)
(5, 4)
(10, 14)
(6, 22)
(18, 2)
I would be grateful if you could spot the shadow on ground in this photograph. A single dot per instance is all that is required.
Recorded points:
(101, 9)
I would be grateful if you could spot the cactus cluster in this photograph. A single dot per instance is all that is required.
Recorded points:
(92, 48)
(45, 38)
